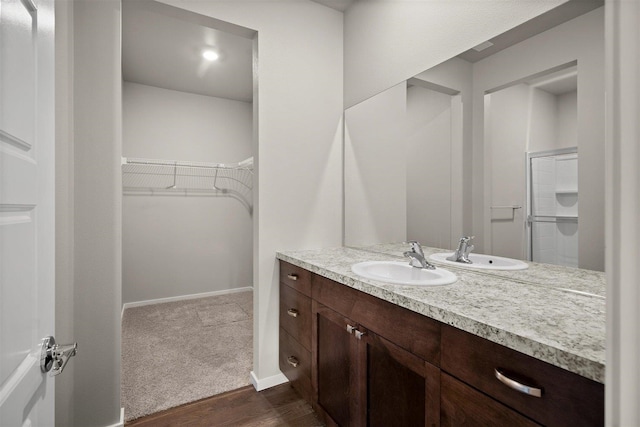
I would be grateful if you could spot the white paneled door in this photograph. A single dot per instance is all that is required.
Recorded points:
(26, 209)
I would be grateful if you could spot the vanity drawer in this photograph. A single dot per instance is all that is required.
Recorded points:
(295, 315)
(295, 364)
(461, 404)
(295, 277)
(566, 398)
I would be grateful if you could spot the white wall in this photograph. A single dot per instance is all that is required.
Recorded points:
(567, 124)
(299, 114)
(505, 130)
(299, 110)
(456, 74)
(543, 126)
(64, 205)
(553, 123)
(176, 245)
(623, 210)
(167, 124)
(97, 197)
(375, 166)
(428, 167)
(388, 41)
(405, 146)
(581, 40)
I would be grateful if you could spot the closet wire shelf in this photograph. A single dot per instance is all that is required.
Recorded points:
(153, 176)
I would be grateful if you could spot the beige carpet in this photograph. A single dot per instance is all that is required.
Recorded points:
(179, 352)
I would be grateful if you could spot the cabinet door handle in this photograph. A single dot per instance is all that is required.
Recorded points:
(359, 334)
(293, 361)
(292, 276)
(350, 328)
(517, 386)
(293, 312)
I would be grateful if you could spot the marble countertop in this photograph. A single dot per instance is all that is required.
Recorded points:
(555, 314)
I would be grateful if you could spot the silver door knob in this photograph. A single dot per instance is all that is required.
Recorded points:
(54, 357)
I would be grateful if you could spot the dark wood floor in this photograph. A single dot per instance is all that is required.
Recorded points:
(277, 406)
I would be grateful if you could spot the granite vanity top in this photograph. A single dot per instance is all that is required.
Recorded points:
(555, 314)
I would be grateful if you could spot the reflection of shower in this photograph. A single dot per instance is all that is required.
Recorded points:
(552, 178)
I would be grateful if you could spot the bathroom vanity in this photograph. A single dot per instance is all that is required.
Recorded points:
(486, 350)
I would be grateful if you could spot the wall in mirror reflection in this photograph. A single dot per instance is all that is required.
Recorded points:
(431, 158)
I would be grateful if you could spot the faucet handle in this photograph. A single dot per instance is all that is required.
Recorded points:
(467, 239)
(415, 247)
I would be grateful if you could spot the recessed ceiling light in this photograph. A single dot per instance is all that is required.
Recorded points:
(210, 55)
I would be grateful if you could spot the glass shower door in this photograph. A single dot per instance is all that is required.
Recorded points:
(553, 207)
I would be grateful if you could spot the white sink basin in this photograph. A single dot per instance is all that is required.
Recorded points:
(484, 262)
(401, 273)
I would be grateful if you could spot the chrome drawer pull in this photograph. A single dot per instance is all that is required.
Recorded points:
(293, 312)
(531, 391)
(293, 361)
(350, 328)
(292, 276)
(359, 334)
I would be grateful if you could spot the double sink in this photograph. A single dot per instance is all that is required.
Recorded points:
(402, 273)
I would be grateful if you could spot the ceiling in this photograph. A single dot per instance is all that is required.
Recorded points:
(557, 83)
(166, 51)
(556, 16)
(340, 5)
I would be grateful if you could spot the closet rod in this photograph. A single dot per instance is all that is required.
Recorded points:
(246, 164)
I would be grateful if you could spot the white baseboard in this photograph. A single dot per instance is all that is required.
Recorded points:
(184, 297)
(265, 383)
(121, 422)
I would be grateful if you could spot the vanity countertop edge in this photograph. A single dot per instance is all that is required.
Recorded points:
(565, 329)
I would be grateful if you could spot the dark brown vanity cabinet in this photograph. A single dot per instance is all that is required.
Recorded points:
(372, 363)
(552, 396)
(462, 405)
(363, 361)
(295, 327)
(364, 379)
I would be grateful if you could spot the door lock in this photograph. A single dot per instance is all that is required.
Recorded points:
(54, 357)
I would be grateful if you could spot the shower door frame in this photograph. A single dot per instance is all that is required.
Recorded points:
(529, 156)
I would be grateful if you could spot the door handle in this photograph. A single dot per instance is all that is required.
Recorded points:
(54, 357)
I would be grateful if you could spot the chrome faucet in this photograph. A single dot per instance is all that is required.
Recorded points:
(462, 253)
(416, 256)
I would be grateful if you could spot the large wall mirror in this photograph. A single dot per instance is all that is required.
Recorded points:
(504, 142)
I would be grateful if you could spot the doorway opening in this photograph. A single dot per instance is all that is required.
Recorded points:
(534, 117)
(187, 208)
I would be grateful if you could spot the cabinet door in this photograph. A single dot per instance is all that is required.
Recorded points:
(334, 376)
(362, 379)
(401, 388)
